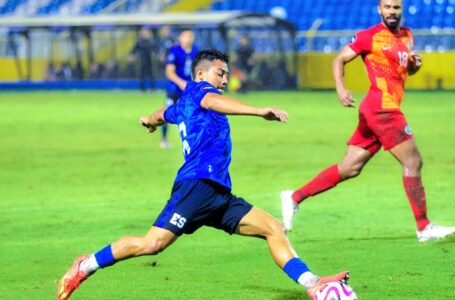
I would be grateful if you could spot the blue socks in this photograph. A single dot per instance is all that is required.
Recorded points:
(104, 257)
(164, 131)
(295, 267)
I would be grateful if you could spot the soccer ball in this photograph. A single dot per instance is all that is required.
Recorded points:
(335, 291)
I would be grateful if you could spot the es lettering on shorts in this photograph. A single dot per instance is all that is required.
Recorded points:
(178, 220)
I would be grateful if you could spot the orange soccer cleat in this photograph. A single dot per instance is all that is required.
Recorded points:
(72, 279)
(343, 276)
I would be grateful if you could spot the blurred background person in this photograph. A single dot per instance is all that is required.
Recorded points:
(78, 71)
(245, 61)
(50, 74)
(142, 50)
(178, 72)
(165, 42)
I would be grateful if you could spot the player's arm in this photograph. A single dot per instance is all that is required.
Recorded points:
(344, 95)
(154, 120)
(172, 76)
(230, 106)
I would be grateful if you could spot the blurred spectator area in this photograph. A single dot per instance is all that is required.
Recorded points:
(101, 51)
(348, 14)
(335, 14)
(333, 22)
(77, 7)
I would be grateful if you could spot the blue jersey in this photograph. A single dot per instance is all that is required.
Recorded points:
(182, 61)
(205, 135)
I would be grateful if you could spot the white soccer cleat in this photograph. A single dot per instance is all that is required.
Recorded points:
(165, 145)
(288, 208)
(434, 232)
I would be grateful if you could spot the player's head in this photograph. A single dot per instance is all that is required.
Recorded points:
(244, 40)
(211, 66)
(186, 38)
(145, 33)
(390, 11)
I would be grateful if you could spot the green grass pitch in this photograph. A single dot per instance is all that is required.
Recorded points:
(78, 172)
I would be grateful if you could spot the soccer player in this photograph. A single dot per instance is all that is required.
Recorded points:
(387, 51)
(178, 72)
(202, 190)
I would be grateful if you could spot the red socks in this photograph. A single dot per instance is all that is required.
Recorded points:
(330, 177)
(325, 180)
(416, 195)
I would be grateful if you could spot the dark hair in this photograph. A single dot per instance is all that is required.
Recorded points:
(208, 55)
(183, 29)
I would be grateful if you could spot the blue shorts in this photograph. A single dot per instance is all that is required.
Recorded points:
(195, 203)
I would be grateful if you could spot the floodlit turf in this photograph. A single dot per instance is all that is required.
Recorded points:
(77, 172)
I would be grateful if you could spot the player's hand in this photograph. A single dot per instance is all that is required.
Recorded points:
(144, 121)
(274, 114)
(417, 59)
(345, 97)
(415, 63)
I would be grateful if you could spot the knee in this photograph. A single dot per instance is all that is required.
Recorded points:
(276, 228)
(152, 246)
(350, 170)
(414, 163)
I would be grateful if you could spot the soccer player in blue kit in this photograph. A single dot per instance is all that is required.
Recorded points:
(178, 72)
(201, 195)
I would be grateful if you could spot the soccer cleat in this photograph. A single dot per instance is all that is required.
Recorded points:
(72, 279)
(288, 208)
(434, 232)
(165, 145)
(343, 276)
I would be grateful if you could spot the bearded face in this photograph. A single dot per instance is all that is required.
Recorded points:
(391, 11)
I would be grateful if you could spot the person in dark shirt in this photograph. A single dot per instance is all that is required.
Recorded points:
(142, 51)
(245, 60)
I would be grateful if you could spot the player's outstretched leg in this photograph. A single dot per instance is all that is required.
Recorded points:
(258, 223)
(155, 241)
(351, 166)
(325, 180)
(72, 279)
(343, 276)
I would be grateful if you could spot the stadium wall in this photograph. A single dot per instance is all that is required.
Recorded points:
(9, 72)
(315, 72)
(189, 5)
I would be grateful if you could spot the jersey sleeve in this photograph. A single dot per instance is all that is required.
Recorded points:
(361, 42)
(411, 39)
(204, 89)
(170, 114)
(171, 57)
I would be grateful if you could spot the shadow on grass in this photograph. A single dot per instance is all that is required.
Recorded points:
(369, 238)
(279, 294)
(447, 240)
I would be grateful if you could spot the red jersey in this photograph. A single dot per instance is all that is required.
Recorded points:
(386, 54)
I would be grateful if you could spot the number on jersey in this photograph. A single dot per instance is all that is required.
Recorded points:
(403, 57)
(185, 146)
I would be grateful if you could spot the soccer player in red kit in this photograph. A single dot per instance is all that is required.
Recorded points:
(387, 51)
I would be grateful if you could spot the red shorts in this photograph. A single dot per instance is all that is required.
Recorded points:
(380, 128)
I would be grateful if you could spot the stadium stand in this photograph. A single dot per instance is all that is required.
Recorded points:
(323, 27)
(348, 14)
(436, 16)
(74, 7)
(335, 15)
